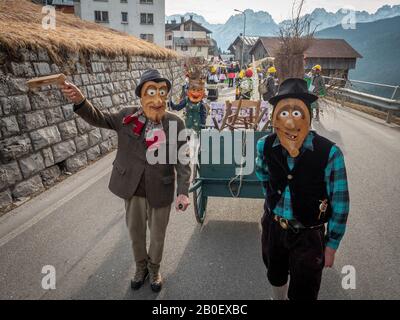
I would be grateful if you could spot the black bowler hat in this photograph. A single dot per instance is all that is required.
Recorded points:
(150, 75)
(294, 88)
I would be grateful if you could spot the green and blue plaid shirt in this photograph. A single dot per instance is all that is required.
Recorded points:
(336, 184)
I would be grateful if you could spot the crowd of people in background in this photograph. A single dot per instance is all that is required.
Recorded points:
(242, 79)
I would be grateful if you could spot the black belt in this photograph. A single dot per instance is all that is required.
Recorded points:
(292, 224)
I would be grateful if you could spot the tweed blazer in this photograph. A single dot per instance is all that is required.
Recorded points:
(131, 163)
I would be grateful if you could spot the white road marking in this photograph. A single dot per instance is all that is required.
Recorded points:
(22, 228)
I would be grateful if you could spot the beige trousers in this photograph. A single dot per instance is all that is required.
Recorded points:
(138, 214)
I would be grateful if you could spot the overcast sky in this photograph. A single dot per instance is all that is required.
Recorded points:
(218, 11)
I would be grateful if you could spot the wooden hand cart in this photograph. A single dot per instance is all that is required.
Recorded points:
(227, 179)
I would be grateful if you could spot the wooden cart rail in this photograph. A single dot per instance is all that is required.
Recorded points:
(222, 180)
(242, 114)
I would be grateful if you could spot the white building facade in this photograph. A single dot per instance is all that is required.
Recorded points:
(143, 19)
(189, 38)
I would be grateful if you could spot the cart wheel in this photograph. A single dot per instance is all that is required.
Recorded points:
(199, 201)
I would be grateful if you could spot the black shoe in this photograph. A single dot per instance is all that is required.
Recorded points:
(137, 284)
(156, 286)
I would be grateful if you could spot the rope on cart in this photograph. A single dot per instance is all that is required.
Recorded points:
(240, 175)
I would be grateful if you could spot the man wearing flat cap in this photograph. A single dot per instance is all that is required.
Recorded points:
(148, 189)
(307, 198)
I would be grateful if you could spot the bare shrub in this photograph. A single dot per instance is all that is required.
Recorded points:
(296, 37)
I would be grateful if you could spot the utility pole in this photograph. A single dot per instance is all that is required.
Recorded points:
(244, 35)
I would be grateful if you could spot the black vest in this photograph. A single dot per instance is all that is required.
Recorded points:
(306, 181)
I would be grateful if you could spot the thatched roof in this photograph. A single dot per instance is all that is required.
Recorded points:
(21, 27)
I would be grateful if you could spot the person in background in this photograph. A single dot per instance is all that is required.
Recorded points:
(213, 77)
(260, 74)
(246, 85)
(270, 84)
(238, 82)
(317, 86)
(222, 76)
(260, 78)
(231, 75)
(237, 73)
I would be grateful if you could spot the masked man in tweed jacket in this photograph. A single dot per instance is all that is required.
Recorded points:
(147, 188)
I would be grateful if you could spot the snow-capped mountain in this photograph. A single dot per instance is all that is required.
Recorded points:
(258, 23)
(321, 19)
(261, 23)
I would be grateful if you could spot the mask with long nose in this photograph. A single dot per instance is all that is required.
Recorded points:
(196, 91)
(291, 120)
(154, 100)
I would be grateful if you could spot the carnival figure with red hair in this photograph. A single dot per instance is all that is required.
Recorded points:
(246, 85)
(195, 109)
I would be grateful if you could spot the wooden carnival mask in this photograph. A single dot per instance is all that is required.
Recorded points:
(197, 74)
(154, 100)
(291, 120)
(196, 91)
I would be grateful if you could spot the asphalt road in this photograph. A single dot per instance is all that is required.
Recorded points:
(79, 228)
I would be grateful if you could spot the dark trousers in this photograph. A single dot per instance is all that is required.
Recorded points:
(267, 96)
(230, 82)
(300, 255)
(246, 96)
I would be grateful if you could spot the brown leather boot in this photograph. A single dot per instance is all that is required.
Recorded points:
(155, 277)
(141, 274)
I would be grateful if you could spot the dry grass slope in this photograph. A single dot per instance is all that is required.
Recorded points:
(21, 27)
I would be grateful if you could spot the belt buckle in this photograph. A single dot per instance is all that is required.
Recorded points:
(284, 223)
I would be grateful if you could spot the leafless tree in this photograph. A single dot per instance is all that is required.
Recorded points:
(296, 37)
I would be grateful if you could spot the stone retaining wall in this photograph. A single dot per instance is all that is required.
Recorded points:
(41, 138)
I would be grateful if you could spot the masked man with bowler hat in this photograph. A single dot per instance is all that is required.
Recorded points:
(307, 199)
(147, 189)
